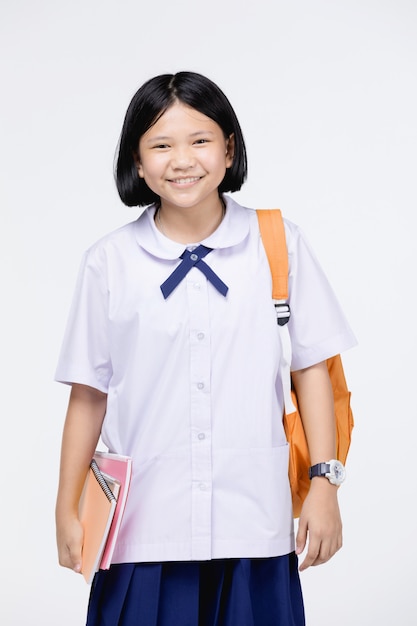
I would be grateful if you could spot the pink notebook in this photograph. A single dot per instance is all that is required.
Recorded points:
(118, 467)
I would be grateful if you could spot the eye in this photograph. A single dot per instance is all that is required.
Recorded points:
(201, 141)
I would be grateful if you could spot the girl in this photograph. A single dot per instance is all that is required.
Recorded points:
(173, 356)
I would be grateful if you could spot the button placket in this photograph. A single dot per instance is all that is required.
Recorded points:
(200, 415)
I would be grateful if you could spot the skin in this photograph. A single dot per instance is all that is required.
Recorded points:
(320, 520)
(183, 159)
(85, 414)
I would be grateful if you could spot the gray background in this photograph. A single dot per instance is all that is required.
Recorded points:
(326, 95)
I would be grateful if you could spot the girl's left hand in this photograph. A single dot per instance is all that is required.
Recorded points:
(321, 523)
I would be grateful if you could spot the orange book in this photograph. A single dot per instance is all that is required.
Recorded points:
(96, 510)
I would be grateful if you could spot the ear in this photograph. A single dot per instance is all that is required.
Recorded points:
(138, 164)
(230, 150)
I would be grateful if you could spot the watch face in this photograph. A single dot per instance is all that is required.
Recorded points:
(338, 471)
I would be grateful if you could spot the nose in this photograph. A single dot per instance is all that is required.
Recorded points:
(182, 158)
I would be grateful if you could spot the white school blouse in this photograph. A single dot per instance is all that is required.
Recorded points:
(193, 384)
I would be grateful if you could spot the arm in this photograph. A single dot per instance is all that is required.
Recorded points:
(82, 428)
(320, 516)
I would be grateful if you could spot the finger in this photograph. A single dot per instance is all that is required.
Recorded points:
(70, 556)
(320, 553)
(75, 558)
(66, 560)
(313, 553)
(329, 549)
(301, 538)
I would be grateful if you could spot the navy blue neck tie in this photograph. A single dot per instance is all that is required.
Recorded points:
(193, 258)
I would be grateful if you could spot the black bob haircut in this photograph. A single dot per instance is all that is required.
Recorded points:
(146, 107)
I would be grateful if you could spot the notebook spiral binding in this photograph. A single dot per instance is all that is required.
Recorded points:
(102, 481)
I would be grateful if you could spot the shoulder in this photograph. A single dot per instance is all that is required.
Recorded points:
(115, 238)
(293, 232)
(119, 242)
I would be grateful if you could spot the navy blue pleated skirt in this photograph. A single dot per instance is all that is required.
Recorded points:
(226, 592)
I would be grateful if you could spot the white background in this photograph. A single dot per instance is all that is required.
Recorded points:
(326, 94)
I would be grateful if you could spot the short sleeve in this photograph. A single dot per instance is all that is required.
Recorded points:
(85, 356)
(318, 326)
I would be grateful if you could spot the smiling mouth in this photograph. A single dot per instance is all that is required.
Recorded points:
(185, 181)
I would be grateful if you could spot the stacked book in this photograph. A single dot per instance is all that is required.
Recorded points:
(102, 504)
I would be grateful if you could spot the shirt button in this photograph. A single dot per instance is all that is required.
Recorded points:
(201, 436)
(200, 385)
(200, 336)
(203, 487)
(197, 286)
(194, 257)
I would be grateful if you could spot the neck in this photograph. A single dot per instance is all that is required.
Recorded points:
(188, 225)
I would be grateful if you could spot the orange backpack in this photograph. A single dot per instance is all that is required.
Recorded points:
(273, 237)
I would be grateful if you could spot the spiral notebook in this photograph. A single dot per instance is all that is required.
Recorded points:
(101, 509)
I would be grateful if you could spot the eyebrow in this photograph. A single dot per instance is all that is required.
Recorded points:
(166, 137)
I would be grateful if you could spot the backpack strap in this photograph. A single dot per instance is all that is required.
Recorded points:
(272, 231)
(271, 226)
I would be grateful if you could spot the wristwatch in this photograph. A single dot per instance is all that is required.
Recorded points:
(333, 470)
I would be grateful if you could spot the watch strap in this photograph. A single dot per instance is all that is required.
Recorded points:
(320, 469)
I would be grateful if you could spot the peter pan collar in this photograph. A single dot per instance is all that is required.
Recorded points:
(233, 229)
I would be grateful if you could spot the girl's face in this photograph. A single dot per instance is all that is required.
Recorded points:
(183, 158)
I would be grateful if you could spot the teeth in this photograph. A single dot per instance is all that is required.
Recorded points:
(184, 181)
